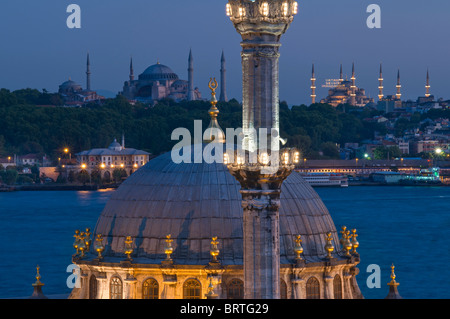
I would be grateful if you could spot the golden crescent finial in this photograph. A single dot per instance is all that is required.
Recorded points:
(213, 85)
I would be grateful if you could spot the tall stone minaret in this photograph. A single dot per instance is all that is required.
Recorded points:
(313, 86)
(353, 87)
(380, 87)
(223, 80)
(261, 25)
(131, 70)
(88, 74)
(399, 87)
(427, 87)
(191, 94)
(341, 75)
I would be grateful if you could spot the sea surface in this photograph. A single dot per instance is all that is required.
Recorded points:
(406, 226)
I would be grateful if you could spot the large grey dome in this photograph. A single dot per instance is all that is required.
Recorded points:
(158, 72)
(193, 203)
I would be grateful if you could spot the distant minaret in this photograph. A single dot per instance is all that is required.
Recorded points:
(88, 74)
(123, 141)
(399, 87)
(427, 94)
(131, 70)
(341, 75)
(313, 86)
(380, 87)
(223, 80)
(353, 87)
(191, 94)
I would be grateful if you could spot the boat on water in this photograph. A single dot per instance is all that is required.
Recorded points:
(425, 176)
(325, 179)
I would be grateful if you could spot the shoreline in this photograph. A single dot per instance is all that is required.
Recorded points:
(28, 188)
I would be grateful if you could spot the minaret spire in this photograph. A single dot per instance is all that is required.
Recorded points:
(191, 94)
(223, 80)
(399, 87)
(427, 94)
(131, 70)
(88, 74)
(313, 86)
(353, 87)
(380, 87)
(341, 75)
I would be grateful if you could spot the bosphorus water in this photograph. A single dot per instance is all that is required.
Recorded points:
(402, 225)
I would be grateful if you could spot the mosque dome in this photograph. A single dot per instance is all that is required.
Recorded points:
(115, 146)
(194, 202)
(70, 86)
(158, 72)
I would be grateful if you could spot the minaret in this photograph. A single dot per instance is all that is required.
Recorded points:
(261, 24)
(341, 75)
(313, 86)
(399, 87)
(131, 70)
(223, 80)
(380, 87)
(353, 87)
(427, 87)
(123, 141)
(88, 74)
(191, 94)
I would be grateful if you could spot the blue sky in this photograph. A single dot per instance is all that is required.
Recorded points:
(39, 51)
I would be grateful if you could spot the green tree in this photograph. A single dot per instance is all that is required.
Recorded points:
(119, 174)
(83, 177)
(9, 176)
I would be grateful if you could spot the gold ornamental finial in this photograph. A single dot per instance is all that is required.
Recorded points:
(355, 242)
(298, 249)
(169, 249)
(214, 249)
(214, 132)
(99, 245)
(329, 248)
(347, 243)
(393, 282)
(128, 247)
(38, 277)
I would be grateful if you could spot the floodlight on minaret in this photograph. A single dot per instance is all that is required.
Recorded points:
(399, 87)
(427, 86)
(313, 86)
(380, 87)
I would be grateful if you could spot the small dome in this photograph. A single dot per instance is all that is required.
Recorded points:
(115, 146)
(70, 86)
(158, 72)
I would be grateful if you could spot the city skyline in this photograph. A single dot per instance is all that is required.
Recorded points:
(44, 56)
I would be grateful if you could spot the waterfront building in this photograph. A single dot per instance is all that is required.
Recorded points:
(116, 156)
(186, 230)
(74, 95)
(158, 82)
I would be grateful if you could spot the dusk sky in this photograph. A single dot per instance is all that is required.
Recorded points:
(39, 51)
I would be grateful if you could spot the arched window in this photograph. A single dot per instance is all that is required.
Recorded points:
(337, 287)
(235, 289)
(150, 289)
(93, 287)
(192, 289)
(283, 289)
(312, 288)
(115, 288)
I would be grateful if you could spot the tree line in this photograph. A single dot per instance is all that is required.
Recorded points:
(34, 122)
